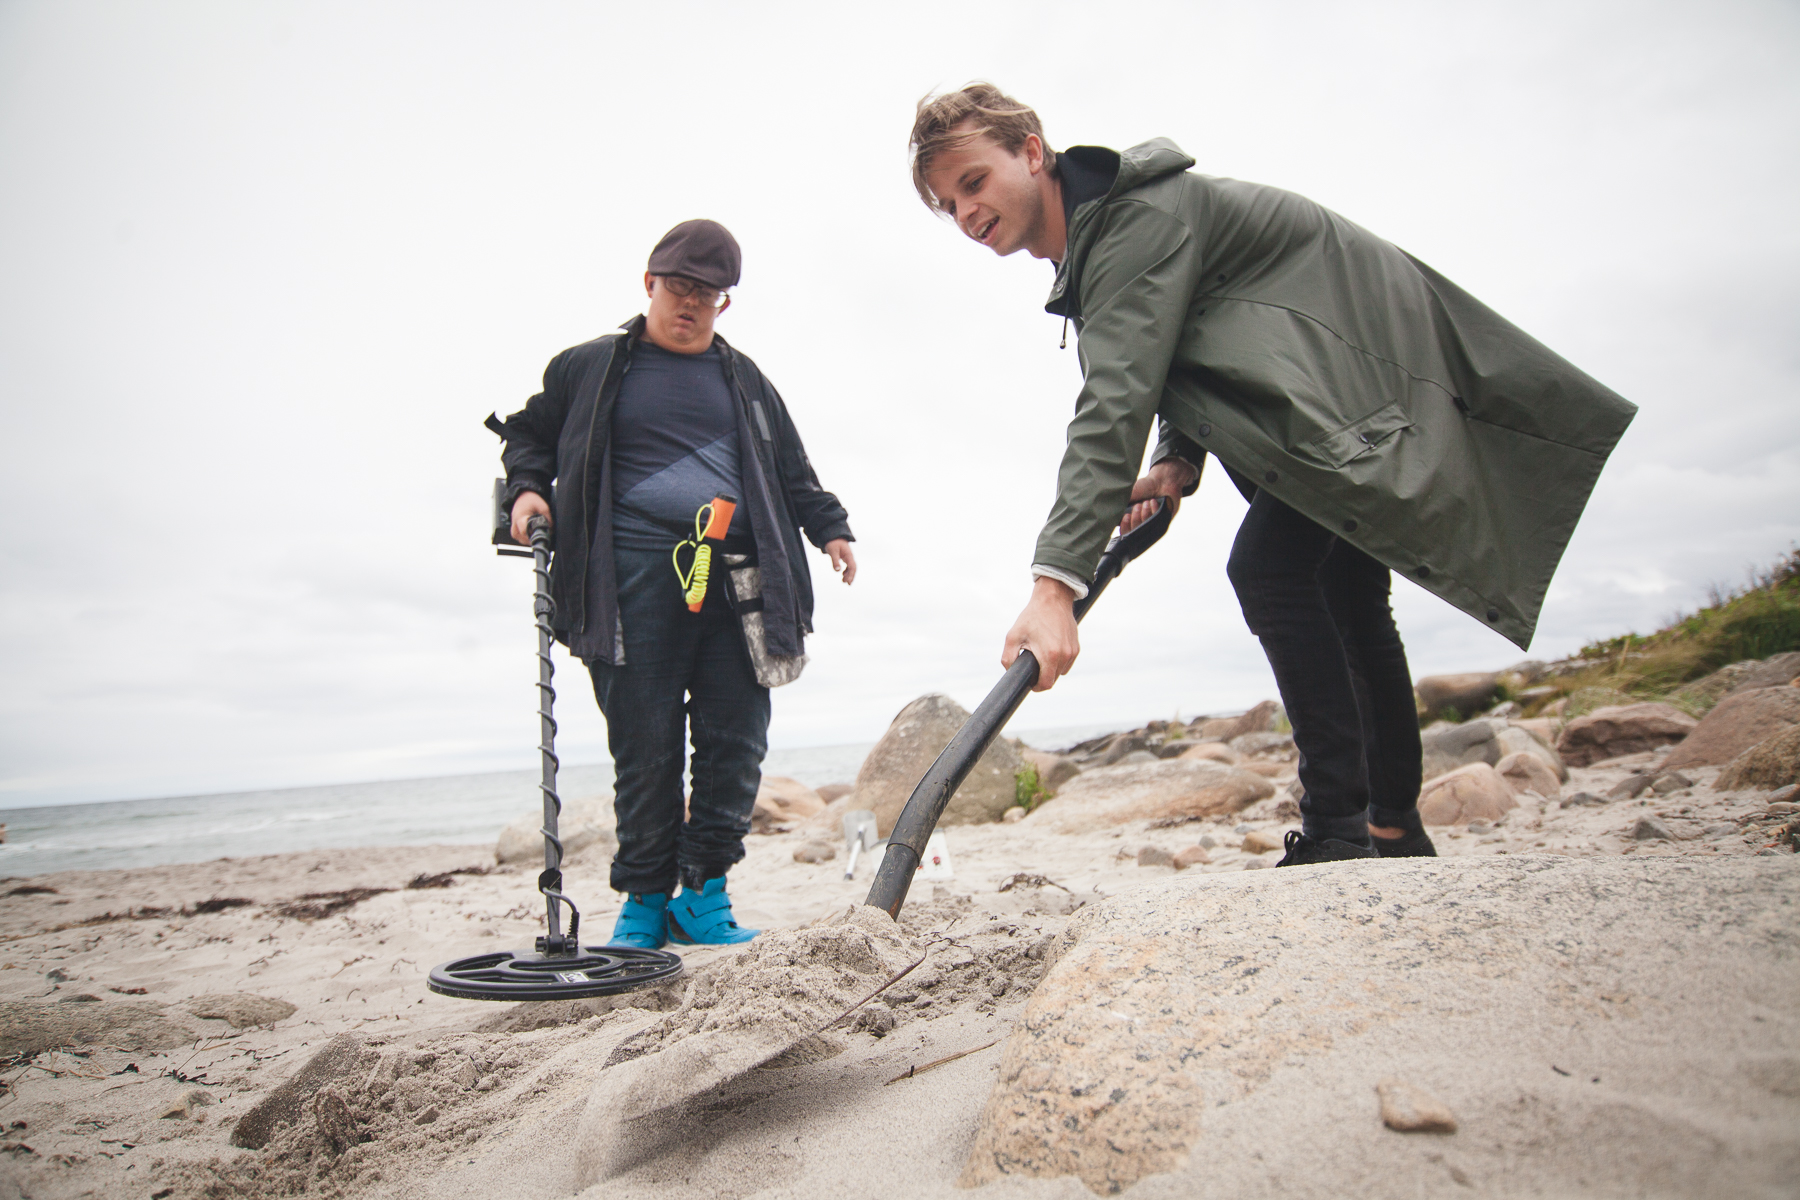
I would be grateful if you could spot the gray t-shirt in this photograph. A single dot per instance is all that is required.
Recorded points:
(674, 447)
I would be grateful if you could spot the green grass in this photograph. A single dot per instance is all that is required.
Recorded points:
(1028, 789)
(1756, 621)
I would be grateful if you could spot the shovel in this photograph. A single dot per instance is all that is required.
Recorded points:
(859, 835)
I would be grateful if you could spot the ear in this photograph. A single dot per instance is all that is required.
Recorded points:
(649, 283)
(721, 309)
(1033, 150)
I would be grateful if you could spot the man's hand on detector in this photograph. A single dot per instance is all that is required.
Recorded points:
(527, 506)
(1166, 479)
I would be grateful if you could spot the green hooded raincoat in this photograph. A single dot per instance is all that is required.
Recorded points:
(1335, 370)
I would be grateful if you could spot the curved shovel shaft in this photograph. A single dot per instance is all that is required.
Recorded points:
(906, 843)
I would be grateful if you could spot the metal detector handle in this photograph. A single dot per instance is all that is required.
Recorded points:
(906, 843)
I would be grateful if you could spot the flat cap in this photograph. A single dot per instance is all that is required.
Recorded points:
(701, 250)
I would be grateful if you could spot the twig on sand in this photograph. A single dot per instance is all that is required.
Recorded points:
(892, 980)
(911, 1071)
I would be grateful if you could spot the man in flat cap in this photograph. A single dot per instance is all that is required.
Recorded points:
(677, 486)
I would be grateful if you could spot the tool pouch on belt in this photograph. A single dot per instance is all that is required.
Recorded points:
(772, 670)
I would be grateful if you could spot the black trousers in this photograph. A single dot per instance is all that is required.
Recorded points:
(1320, 608)
(687, 676)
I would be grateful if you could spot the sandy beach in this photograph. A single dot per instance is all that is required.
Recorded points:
(148, 1011)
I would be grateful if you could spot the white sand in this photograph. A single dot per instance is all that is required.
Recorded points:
(508, 1102)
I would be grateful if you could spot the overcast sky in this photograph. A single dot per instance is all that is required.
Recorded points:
(264, 269)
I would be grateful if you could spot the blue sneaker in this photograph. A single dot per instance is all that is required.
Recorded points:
(703, 918)
(643, 922)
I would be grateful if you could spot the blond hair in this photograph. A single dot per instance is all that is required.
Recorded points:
(938, 126)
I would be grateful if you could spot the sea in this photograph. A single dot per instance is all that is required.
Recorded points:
(447, 810)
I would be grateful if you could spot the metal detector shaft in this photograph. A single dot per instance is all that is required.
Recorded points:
(550, 882)
(906, 844)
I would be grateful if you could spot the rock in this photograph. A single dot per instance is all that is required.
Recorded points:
(1216, 751)
(466, 1075)
(1740, 721)
(1268, 770)
(1446, 748)
(906, 750)
(1582, 799)
(1505, 709)
(1671, 781)
(183, 1107)
(1191, 856)
(583, 824)
(832, 791)
(1173, 749)
(1629, 787)
(336, 1121)
(1777, 671)
(1154, 856)
(343, 1055)
(1784, 795)
(1622, 729)
(814, 852)
(1261, 841)
(1544, 729)
(1137, 756)
(1474, 792)
(1260, 719)
(29, 1027)
(1183, 1025)
(1053, 769)
(1466, 694)
(1649, 828)
(1771, 763)
(1516, 738)
(1526, 772)
(241, 1009)
(1124, 744)
(1158, 790)
(1410, 1109)
(1265, 745)
(1013, 815)
(783, 801)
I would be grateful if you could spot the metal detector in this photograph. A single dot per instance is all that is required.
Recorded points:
(559, 968)
(906, 843)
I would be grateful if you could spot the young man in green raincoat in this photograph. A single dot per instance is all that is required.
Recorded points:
(1377, 418)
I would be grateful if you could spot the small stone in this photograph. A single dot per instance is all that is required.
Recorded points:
(1672, 781)
(428, 1117)
(184, 1107)
(1410, 1109)
(1154, 856)
(465, 1075)
(1241, 830)
(1209, 842)
(1629, 787)
(1782, 808)
(1191, 856)
(1259, 841)
(487, 1084)
(1479, 827)
(1649, 828)
(1013, 815)
(1785, 793)
(1581, 800)
(815, 852)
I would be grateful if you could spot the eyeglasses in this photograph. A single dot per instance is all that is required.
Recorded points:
(688, 289)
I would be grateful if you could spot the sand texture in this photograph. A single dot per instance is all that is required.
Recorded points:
(260, 1027)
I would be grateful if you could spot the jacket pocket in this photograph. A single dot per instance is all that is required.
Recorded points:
(1343, 446)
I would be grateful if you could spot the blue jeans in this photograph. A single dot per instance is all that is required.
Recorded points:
(685, 674)
(1320, 607)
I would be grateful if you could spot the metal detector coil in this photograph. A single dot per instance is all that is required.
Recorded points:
(559, 967)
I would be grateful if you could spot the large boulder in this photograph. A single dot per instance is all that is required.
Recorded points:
(1451, 746)
(1185, 1027)
(1740, 721)
(1777, 671)
(918, 734)
(584, 823)
(1165, 789)
(1260, 719)
(1526, 772)
(782, 802)
(1771, 764)
(1466, 694)
(1622, 729)
(1476, 792)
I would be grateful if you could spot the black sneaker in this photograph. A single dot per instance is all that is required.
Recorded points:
(1413, 845)
(1302, 850)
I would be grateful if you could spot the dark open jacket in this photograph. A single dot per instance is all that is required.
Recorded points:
(1325, 365)
(560, 446)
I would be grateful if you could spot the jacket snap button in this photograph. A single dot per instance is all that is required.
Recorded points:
(1206, 431)
(1423, 572)
(1270, 477)
(1366, 438)
(1349, 526)
(1493, 614)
